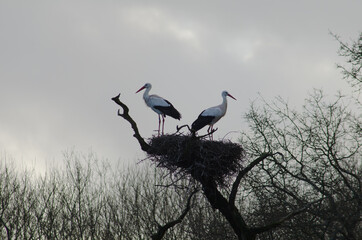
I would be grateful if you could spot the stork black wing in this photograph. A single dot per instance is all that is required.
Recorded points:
(201, 122)
(169, 110)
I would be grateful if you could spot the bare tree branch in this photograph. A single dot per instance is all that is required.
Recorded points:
(242, 173)
(6, 227)
(128, 118)
(287, 217)
(353, 53)
(162, 229)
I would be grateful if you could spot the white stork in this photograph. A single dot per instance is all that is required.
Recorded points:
(211, 115)
(160, 105)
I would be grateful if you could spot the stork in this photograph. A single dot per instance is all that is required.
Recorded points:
(211, 115)
(160, 105)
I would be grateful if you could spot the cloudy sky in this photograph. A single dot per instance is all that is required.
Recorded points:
(62, 61)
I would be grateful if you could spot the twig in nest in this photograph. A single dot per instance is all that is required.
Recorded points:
(208, 134)
(179, 128)
(229, 133)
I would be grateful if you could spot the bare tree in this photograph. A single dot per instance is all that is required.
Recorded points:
(321, 163)
(301, 180)
(353, 54)
(184, 158)
(90, 200)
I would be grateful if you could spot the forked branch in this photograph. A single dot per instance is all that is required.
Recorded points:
(242, 173)
(144, 146)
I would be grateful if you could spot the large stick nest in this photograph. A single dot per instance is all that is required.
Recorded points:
(200, 159)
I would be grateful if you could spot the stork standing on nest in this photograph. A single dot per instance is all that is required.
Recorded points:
(211, 115)
(160, 105)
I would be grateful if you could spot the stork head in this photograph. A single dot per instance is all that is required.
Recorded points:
(226, 94)
(147, 86)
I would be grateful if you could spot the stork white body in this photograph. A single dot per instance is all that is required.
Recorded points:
(211, 115)
(160, 105)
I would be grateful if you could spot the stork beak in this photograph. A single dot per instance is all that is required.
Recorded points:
(231, 96)
(141, 89)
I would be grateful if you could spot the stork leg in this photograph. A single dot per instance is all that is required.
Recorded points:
(210, 130)
(163, 123)
(159, 124)
(212, 134)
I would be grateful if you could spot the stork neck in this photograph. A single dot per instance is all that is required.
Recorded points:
(145, 94)
(224, 101)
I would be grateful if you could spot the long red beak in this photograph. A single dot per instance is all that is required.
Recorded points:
(141, 89)
(231, 97)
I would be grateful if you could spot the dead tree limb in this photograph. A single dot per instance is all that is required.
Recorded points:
(162, 229)
(144, 146)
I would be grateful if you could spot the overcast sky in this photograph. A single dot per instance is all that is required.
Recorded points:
(62, 61)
